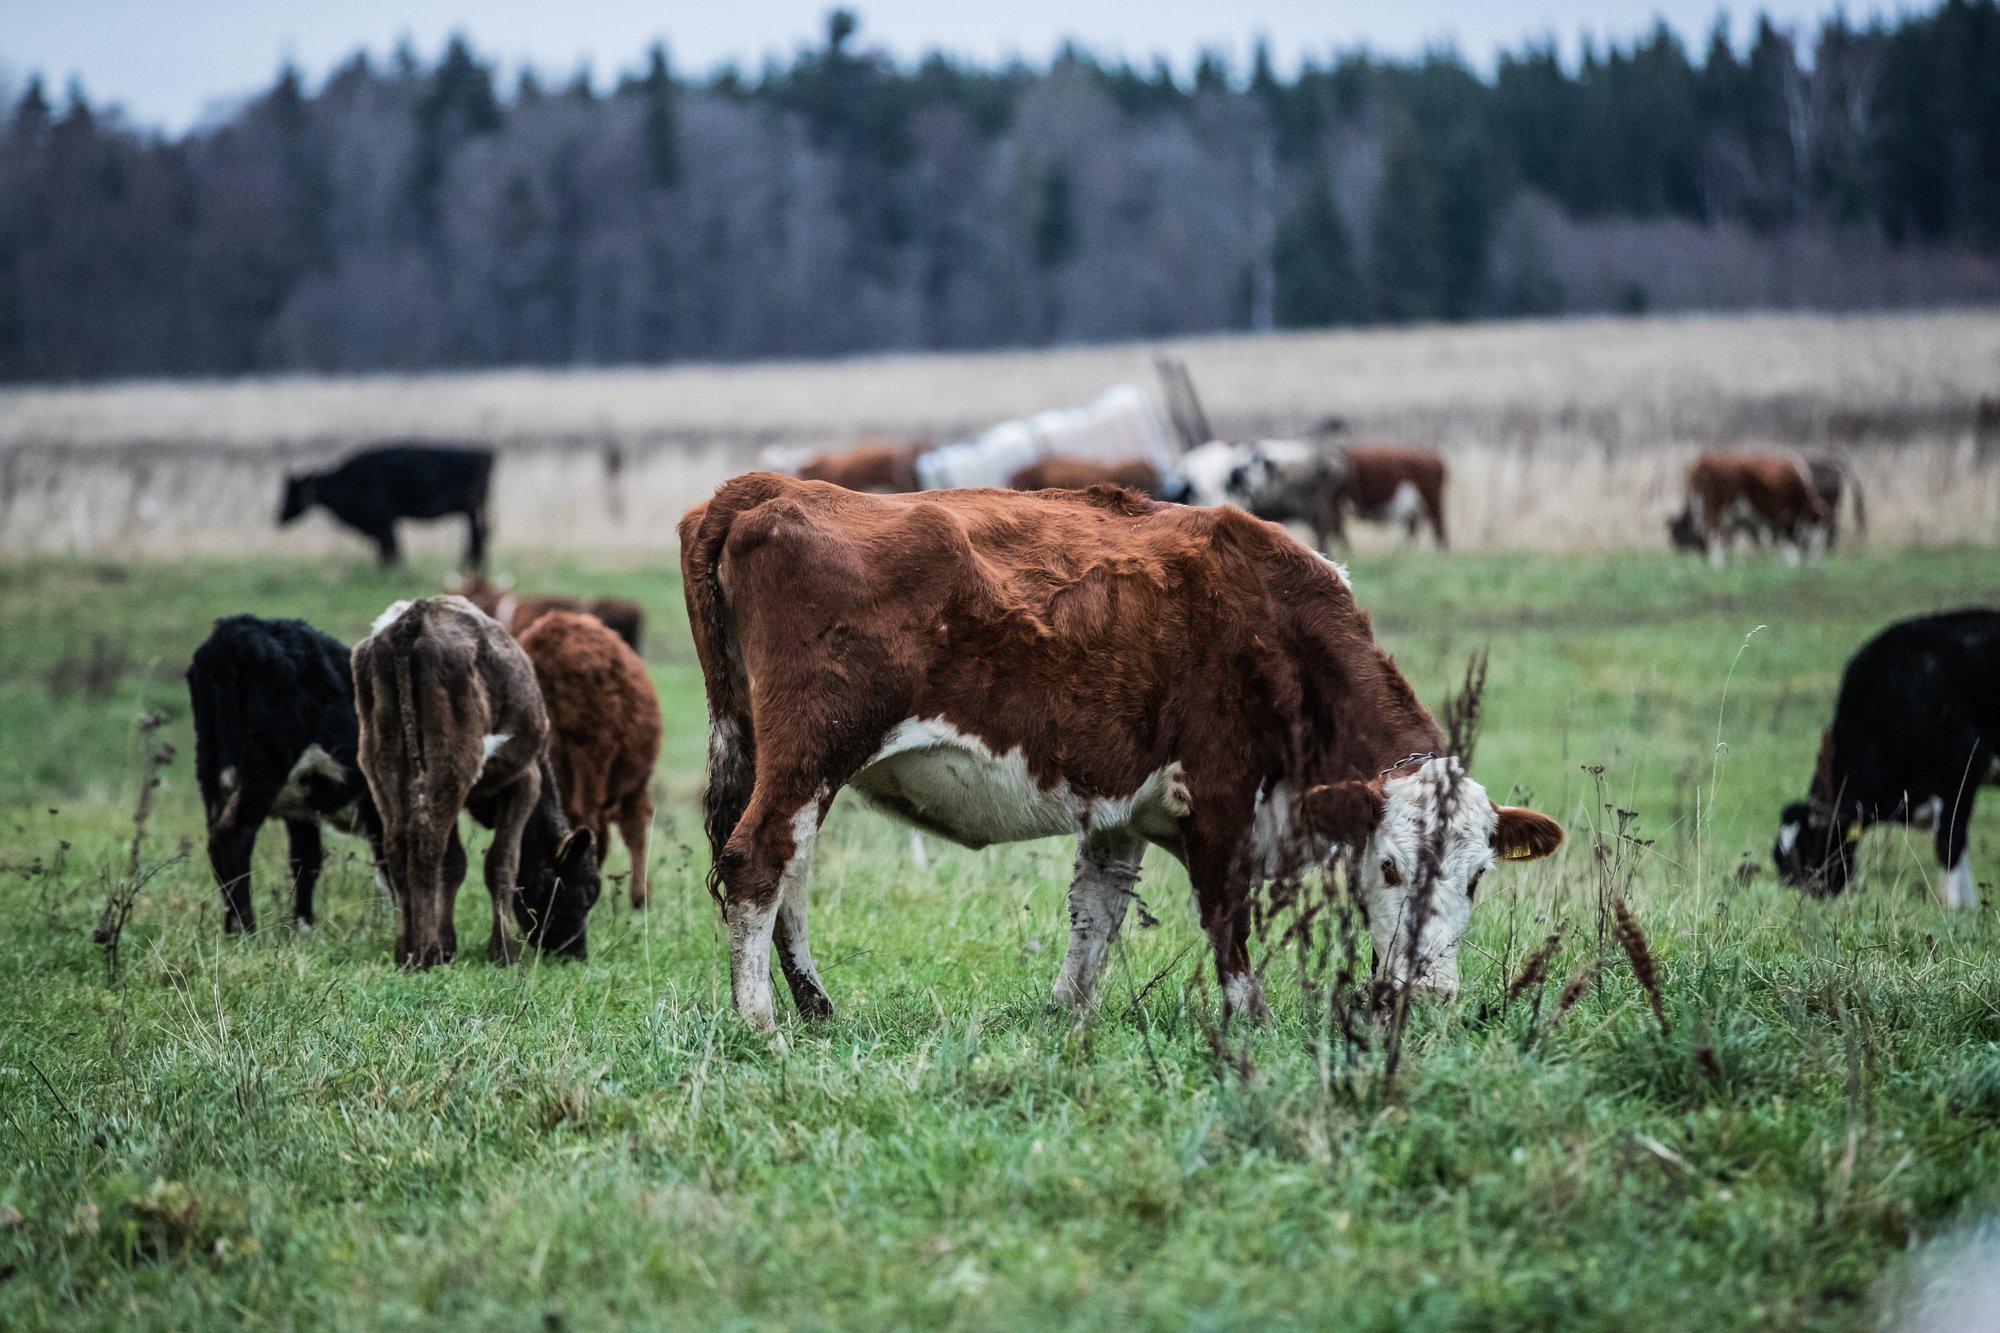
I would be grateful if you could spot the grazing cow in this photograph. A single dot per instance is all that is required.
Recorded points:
(992, 666)
(274, 738)
(1390, 484)
(371, 490)
(1916, 731)
(884, 469)
(604, 730)
(517, 611)
(451, 720)
(1761, 494)
(1080, 474)
(1283, 481)
(1834, 480)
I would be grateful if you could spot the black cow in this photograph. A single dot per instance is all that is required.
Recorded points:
(1915, 732)
(274, 738)
(371, 490)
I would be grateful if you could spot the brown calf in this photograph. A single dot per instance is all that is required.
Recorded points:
(604, 730)
(517, 611)
(884, 469)
(1080, 474)
(452, 719)
(1764, 495)
(992, 666)
(1389, 484)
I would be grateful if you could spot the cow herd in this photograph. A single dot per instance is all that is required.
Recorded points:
(1071, 657)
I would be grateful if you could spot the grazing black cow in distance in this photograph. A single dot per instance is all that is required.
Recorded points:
(274, 738)
(1916, 731)
(370, 491)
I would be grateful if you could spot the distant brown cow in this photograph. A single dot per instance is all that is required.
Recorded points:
(993, 666)
(452, 719)
(1389, 484)
(1759, 494)
(604, 730)
(517, 611)
(1080, 474)
(885, 469)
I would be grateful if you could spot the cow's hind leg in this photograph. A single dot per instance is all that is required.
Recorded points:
(1953, 825)
(503, 857)
(1107, 866)
(794, 948)
(769, 852)
(475, 540)
(635, 819)
(307, 856)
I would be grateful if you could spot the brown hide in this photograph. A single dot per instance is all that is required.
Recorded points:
(604, 737)
(1080, 474)
(883, 469)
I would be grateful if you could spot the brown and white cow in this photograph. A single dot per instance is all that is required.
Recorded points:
(1758, 494)
(1058, 473)
(604, 730)
(992, 666)
(517, 610)
(1392, 484)
(883, 469)
(452, 720)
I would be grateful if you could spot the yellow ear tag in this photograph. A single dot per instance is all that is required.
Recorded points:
(1854, 831)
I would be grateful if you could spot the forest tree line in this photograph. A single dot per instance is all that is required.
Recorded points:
(409, 214)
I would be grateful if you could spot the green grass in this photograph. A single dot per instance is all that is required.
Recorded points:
(287, 1130)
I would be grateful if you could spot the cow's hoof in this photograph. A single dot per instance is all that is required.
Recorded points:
(503, 951)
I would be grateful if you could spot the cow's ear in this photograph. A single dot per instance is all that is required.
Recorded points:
(1524, 834)
(1344, 813)
(575, 844)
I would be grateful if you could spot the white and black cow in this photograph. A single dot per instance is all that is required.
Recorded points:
(1915, 733)
(372, 490)
(274, 738)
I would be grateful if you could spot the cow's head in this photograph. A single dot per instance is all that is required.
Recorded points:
(301, 492)
(1815, 847)
(1429, 832)
(559, 887)
(1684, 533)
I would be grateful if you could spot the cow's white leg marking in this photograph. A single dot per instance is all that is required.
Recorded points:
(751, 926)
(491, 745)
(795, 897)
(1106, 868)
(1788, 836)
(919, 858)
(1243, 998)
(1959, 888)
(1793, 555)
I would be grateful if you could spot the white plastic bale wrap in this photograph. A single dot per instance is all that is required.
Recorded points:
(1117, 426)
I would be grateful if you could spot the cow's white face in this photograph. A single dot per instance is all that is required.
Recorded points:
(1419, 811)
(1433, 809)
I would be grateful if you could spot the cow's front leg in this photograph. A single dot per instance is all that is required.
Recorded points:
(307, 857)
(1222, 897)
(1107, 866)
(503, 857)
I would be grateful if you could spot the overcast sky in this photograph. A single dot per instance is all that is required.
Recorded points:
(170, 61)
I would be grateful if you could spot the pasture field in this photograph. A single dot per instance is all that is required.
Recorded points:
(285, 1130)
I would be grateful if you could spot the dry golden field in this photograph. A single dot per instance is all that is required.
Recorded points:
(1562, 436)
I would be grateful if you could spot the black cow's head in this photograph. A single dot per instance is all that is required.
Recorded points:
(1815, 847)
(300, 495)
(553, 906)
(1683, 532)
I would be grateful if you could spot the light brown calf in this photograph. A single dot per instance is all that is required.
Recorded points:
(517, 611)
(604, 730)
(452, 720)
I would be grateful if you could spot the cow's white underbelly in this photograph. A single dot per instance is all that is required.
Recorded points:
(930, 774)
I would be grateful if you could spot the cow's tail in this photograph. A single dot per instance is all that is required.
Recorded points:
(732, 766)
(218, 739)
(403, 669)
